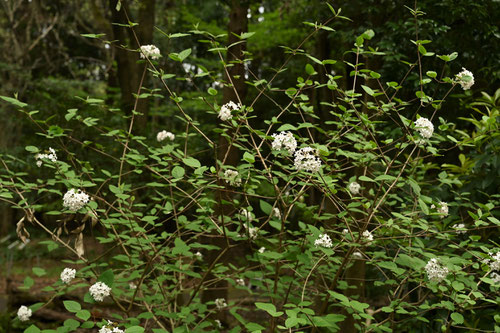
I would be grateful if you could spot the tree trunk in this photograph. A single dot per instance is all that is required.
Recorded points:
(129, 73)
(238, 24)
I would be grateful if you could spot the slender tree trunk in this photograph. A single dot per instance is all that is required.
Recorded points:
(129, 73)
(238, 24)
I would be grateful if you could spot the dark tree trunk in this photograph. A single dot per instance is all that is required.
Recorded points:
(129, 73)
(238, 24)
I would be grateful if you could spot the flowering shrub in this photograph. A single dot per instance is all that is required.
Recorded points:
(285, 226)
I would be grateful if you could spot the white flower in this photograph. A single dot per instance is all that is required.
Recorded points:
(240, 282)
(354, 188)
(232, 177)
(442, 208)
(323, 240)
(246, 215)
(218, 323)
(276, 212)
(51, 156)
(435, 271)
(67, 275)
(305, 159)
(132, 285)
(358, 255)
(459, 228)
(284, 141)
(253, 232)
(220, 303)
(262, 250)
(225, 110)
(198, 255)
(368, 236)
(99, 290)
(495, 263)
(424, 127)
(165, 135)
(345, 232)
(110, 328)
(24, 313)
(465, 79)
(495, 277)
(75, 199)
(150, 51)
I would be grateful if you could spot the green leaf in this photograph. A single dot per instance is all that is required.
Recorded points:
(38, 271)
(180, 247)
(368, 90)
(269, 308)
(83, 314)
(192, 162)
(32, 329)
(28, 283)
(72, 306)
(248, 157)
(458, 286)
(457, 318)
(178, 172)
(212, 91)
(247, 35)
(365, 179)
(71, 324)
(265, 207)
(431, 74)
(286, 127)
(14, 101)
(107, 277)
(134, 329)
(32, 149)
(310, 69)
(184, 54)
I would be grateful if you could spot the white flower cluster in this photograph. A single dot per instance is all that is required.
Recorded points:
(232, 177)
(424, 127)
(354, 188)
(284, 141)
(276, 213)
(24, 313)
(99, 290)
(110, 328)
(150, 51)
(358, 255)
(165, 135)
(262, 250)
(495, 263)
(51, 156)
(460, 228)
(465, 79)
(435, 271)
(253, 232)
(75, 199)
(495, 277)
(442, 208)
(220, 303)
(368, 236)
(225, 110)
(306, 159)
(240, 282)
(247, 216)
(67, 275)
(198, 255)
(323, 240)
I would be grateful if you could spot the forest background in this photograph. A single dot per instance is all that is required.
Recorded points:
(62, 55)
